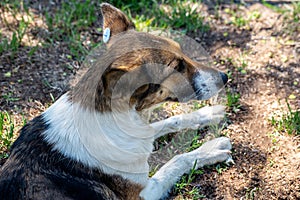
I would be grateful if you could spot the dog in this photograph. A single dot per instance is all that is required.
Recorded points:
(92, 143)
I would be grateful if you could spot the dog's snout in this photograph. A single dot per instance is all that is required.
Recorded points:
(224, 77)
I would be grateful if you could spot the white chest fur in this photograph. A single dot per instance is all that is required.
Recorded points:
(117, 143)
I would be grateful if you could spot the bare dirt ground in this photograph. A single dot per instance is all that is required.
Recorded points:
(267, 165)
(265, 168)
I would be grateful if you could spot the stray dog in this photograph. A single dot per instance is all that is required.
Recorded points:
(92, 144)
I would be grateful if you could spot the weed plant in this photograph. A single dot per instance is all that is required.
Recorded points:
(289, 122)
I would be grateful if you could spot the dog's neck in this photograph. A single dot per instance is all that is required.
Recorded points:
(118, 143)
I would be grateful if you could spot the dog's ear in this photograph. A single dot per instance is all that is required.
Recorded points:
(114, 21)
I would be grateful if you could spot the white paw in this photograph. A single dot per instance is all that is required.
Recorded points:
(214, 151)
(221, 143)
(206, 116)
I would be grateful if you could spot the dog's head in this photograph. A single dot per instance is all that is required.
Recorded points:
(139, 70)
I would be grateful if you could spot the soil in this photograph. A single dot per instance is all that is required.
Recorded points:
(264, 168)
(267, 163)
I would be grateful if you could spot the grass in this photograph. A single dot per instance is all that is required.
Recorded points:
(71, 19)
(239, 20)
(7, 129)
(16, 39)
(289, 122)
(133, 5)
(296, 11)
(273, 7)
(292, 19)
(241, 64)
(14, 8)
(9, 97)
(68, 22)
(180, 15)
(184, 186)
(233, 100)
(194, 144)
(73, 16)
(169, 14)
(221, 167)
(64, 25)
(236, 19)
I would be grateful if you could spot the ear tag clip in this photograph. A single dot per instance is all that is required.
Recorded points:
(106, 35)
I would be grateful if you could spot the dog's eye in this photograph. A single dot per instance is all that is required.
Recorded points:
(180, 67)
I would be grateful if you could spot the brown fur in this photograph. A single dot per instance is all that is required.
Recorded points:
(135, 50)
(115, 20)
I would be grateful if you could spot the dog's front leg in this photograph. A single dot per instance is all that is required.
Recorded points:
(214, 151)
(194, 120)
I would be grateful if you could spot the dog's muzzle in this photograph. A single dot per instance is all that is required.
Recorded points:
(208, 83)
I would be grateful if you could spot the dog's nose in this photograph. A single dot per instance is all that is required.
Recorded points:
(224, 77)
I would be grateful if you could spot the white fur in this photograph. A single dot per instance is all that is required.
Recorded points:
(100, 140)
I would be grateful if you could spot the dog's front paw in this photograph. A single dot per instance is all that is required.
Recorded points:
(221, 143)
(214, 151)
(207, 116)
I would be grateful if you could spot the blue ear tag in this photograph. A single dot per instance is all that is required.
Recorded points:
(106, 35)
